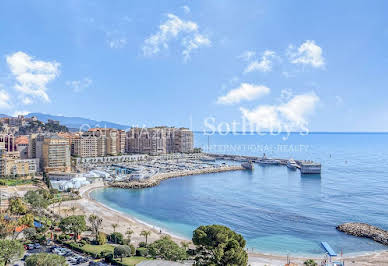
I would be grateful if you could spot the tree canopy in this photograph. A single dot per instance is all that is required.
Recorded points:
(36, 199)
(45, 259)
(219, 245)
(167, 249)
(122, 251)
(17, 206)
(75, 224)
(10, 250)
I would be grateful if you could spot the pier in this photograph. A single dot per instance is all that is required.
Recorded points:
(305, 167)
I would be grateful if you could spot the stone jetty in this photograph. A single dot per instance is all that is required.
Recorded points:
(365, 230)
(156, 179)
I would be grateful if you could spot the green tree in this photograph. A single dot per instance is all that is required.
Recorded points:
(185, 244)
(29, 233)
(122, 251)
(310, 262)
(146, 234)
(45, 259)
(167, 249)
(114, 226)
(10, 250)
(36, 200)
(17, 206)
(95, 223)
(75, 224)
(101, 238)
(116, 237)
(27, 219)
(129, 233)
(219, 245)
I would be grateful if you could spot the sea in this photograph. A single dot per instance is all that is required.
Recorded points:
(277, 210)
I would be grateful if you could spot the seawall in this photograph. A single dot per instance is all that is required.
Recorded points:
(156, 179)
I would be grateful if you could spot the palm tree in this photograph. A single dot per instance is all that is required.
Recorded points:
(73, 209)
(146, 234)
(96, 223)
(114, 226)
(129, 233)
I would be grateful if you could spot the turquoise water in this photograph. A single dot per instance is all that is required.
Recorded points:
(277, 210)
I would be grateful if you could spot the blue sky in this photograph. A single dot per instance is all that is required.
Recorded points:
(289, 64)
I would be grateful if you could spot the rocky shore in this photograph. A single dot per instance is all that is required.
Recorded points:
(365, 230)
(156, 179)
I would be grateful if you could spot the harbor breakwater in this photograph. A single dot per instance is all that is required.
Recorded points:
(156, 179)
(365, 230)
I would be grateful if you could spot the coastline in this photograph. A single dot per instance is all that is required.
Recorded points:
(255, 258)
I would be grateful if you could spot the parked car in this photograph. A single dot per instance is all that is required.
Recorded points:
(30, 246)
(37, 245)
(82, 260)
(25, 257)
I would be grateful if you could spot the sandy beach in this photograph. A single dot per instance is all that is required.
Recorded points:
(88, 206)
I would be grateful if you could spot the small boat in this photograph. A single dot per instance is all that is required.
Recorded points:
(292, 164)
(247, 165)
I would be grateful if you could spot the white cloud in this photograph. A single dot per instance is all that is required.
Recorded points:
(26, 100)
(79, 85)
(5, 102)
(247, 55)
(186, 9)
(264, 65)
(16, 113)
(308, 53)
(172, 29)
(245, 92)
(32, 75)
(116, 39)
(117, 43)
(291, 115)
(192, 43)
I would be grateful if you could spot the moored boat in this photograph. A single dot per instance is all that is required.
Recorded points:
(291, 164)
(247, 165)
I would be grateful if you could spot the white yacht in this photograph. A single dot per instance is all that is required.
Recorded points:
(292, 164)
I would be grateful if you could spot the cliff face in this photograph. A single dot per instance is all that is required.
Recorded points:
(365, 230)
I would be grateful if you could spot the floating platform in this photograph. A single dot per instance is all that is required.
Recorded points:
(328, 249)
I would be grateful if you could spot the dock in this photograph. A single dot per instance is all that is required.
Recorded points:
(305, 166)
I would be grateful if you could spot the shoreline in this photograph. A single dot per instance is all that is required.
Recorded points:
(255, 258)
(86, 194)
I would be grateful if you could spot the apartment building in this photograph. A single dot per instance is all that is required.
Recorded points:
(35, 147)
(159, 140)
(112, 139)
(88, 144)
(12, 165)
(56, 154)
(121, 137)
(7, 142)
